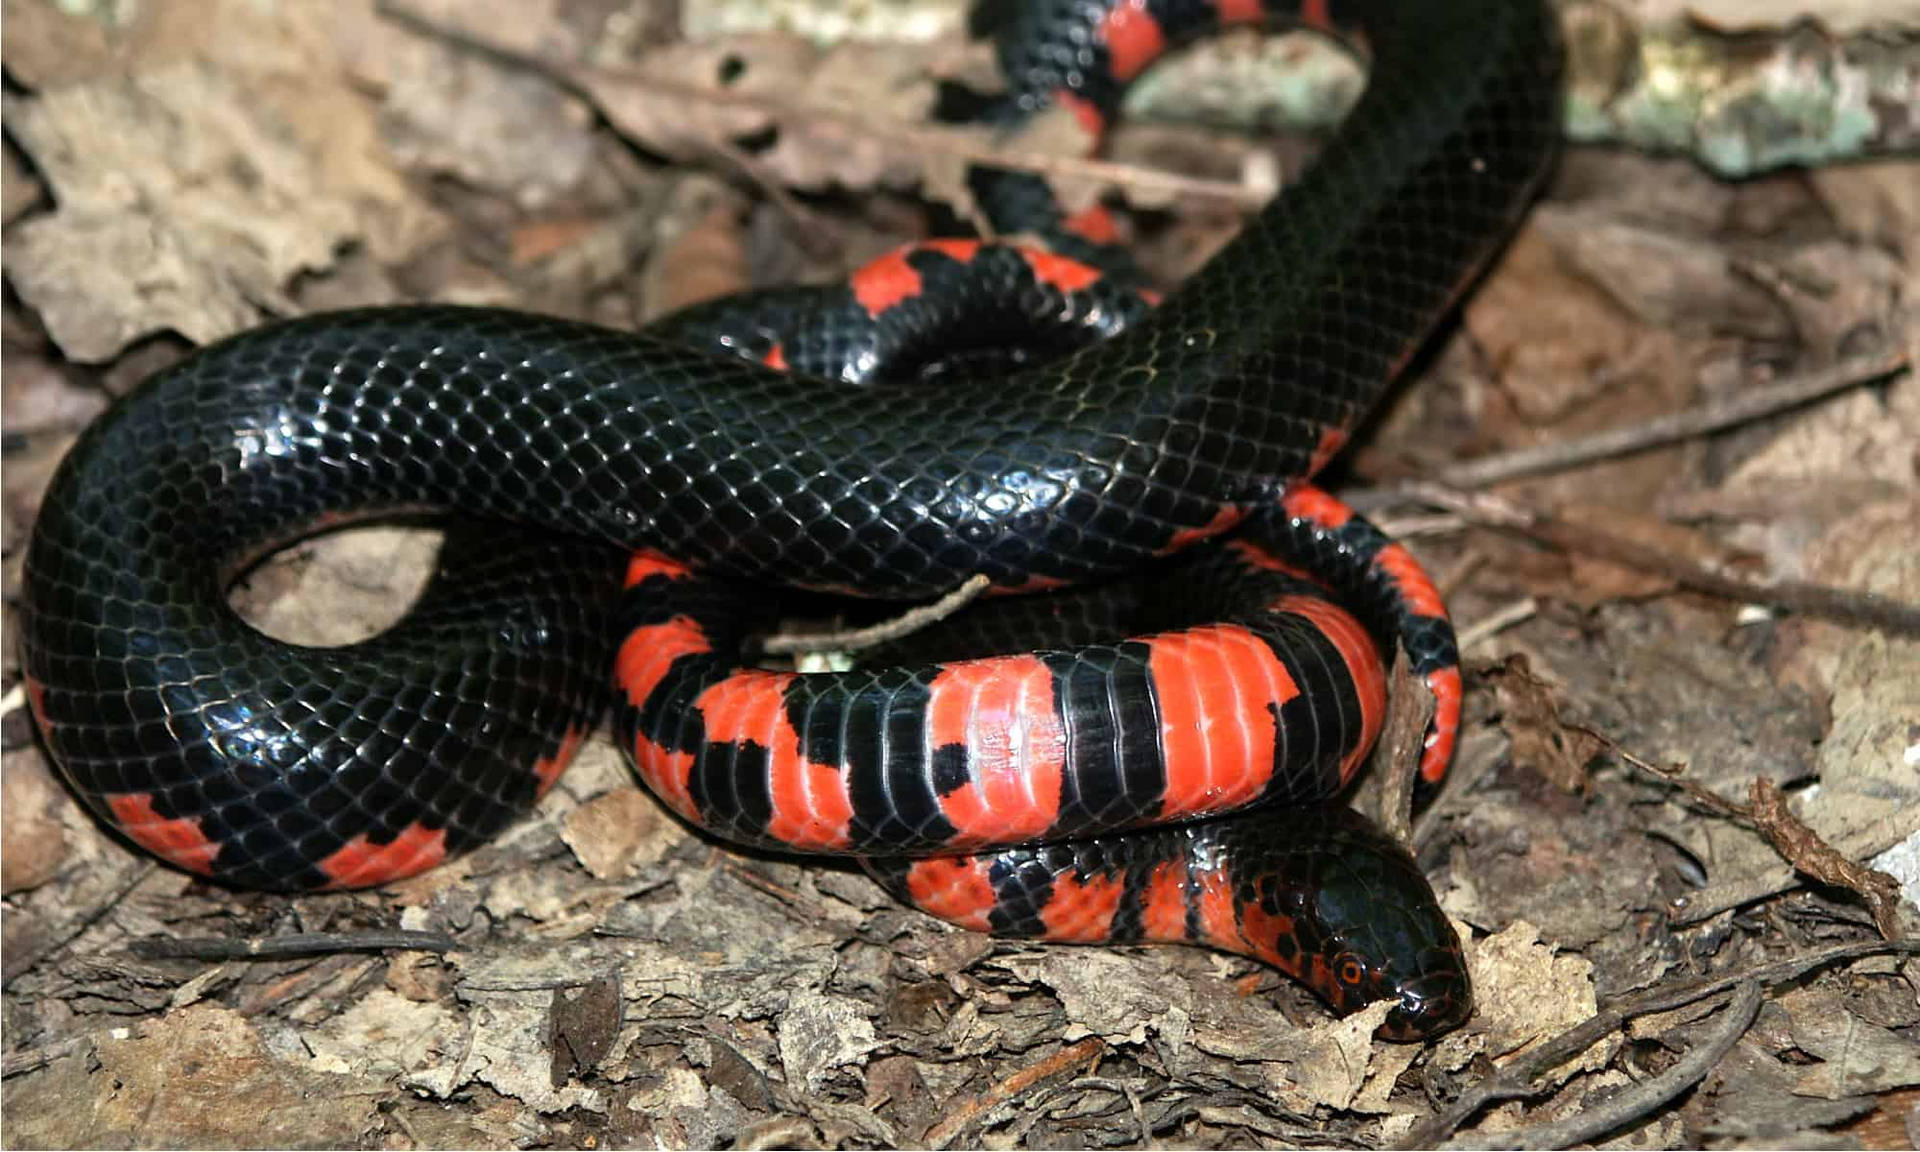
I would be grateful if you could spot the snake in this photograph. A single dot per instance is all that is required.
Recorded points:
(627, 502)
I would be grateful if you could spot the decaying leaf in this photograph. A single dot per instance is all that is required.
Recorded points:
(1816, 858)
(1327, 1064)
(616, 832)
(200, 196)
(1525, 991)
(820, 1034)
(1530, 710)
(1857, 1057)
(584, 1020)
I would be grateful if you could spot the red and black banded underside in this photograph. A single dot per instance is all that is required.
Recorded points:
(1277, 696)
(1317, 892)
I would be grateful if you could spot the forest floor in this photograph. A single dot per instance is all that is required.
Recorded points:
(1693, 669)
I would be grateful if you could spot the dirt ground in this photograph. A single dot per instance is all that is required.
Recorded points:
(1686, 803)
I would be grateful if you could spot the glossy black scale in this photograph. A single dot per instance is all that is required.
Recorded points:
(1077, 469)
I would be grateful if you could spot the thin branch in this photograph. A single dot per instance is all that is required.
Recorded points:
(1633, 1103)
(1083, 1084)
(1498, 621)
(1868, 609)
(905, 624)
(1516, 1081)
(1086, 1053)
(294, 944)
(1750, 404)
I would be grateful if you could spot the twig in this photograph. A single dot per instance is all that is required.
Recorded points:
(1712, 416)
(1083, 1084)
(293, 944)
(1517, 1080)
(580, 81)
(1642, 1098)
(1868, 609)
(819, 238)
(1500, 620)
(1410, 708)
(1805, 852)
(1802, 848)
(854, 639)
(1086, 1052)
(1715, 898)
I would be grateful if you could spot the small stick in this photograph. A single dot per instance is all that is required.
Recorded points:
(294, 944)
(1100, 1084)
(1632, 1103)
(1516, 1080)
(1712, 416)
(1868, 609)
(854, 639)
(1086, 1052)
(1499, 621)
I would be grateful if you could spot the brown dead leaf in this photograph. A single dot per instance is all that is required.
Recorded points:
(1809, 854)
(295, 59)
(1876, 201)
(614, 834)
(1867, 756)
(536, 241)
(505, 1046)
(457, 113)
(1107, 995)
(1894, 1122)
(1857, 1057)
(385, 1034)
(886, 85)
(1328, 1064)
(194, 218)
(47, 46)
(821, 1033)
(1530, 715)
(685, 99)
(585, 1019)
(1525, 991)
(422, 977)
(1557, 339)
(342, 587)
(1569, 361)
(41, 395)
(1661, 278)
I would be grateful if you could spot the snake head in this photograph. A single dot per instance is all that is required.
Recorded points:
(1341, 907)
(1383, 937)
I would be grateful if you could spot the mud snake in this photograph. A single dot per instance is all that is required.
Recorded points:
(815, 440)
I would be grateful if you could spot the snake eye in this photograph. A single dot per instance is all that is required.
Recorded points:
(1349, 970)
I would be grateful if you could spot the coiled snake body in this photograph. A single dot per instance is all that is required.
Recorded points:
(267, 764)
